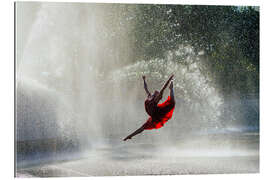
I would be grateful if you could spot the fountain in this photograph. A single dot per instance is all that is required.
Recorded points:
(71, 95)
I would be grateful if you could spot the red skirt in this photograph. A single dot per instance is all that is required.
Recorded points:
(162, 115)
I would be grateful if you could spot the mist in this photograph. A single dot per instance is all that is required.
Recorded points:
(77, 83)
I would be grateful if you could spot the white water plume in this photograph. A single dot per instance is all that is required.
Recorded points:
(80, 91)
(64, 53)
(198, 104)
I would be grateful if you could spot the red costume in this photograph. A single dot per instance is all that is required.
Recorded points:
(159, 113)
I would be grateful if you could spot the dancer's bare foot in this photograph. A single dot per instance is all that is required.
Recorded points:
(126, 138)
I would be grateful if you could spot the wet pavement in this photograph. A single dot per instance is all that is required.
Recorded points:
(240, 156)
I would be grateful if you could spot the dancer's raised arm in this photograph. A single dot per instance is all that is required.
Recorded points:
(145, 87)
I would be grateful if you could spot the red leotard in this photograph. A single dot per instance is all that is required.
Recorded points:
(159, 113)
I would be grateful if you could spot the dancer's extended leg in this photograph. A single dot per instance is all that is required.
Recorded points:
(141, 129)
(166, 84)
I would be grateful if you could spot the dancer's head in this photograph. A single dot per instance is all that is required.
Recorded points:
(157, 96)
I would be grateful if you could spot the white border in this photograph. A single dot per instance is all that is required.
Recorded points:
(191, 2)
(7, 87)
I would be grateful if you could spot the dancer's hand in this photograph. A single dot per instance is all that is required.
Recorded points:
(143, 77)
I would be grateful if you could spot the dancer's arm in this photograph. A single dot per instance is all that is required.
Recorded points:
(165, 85)
(145, 87)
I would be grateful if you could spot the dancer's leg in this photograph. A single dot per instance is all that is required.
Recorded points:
(166, 106)
(172, 92)
(141, 129)
(166, 84)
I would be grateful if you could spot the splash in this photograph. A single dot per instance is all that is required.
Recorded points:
(64, 52)
(198, 102)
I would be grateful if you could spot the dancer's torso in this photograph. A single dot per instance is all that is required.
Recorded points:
(150, 106)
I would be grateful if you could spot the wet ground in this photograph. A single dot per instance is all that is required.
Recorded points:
(238, 153)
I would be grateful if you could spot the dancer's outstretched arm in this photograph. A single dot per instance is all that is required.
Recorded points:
(145, 87)
(141, 129)
(165, 85)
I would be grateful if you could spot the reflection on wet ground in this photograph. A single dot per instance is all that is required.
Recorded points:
(215, 154)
